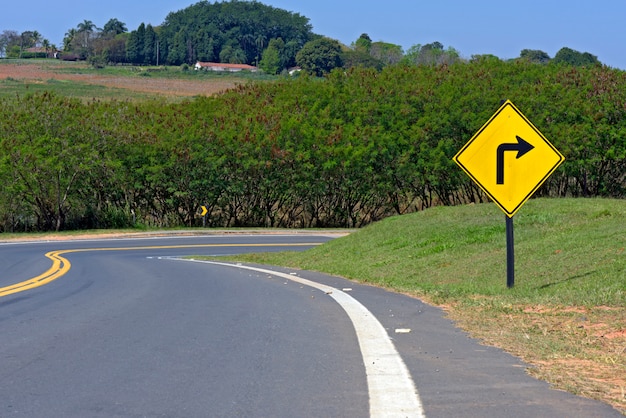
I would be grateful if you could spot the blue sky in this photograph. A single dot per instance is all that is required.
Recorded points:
(499, 27)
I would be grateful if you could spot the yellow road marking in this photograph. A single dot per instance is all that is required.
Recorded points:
(61, 265)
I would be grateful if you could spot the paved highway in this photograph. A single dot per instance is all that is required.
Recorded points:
(122, 328)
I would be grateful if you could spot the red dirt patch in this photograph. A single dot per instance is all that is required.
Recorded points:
(615, 334)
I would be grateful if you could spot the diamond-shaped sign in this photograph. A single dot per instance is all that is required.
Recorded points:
(509, 158)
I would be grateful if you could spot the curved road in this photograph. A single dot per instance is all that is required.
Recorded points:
(125, 328)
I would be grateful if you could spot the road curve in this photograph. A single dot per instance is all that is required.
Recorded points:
(125, 331)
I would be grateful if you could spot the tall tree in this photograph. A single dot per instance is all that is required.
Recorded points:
(232, 54)
(136, 44)
(260, 44)
(363, 44)
(68, 39)
(150, 41)
(36, 38)
(572, 57)
(320, 56)
(535, 55)
(114, 27)
(358, 58)
(86, 31)
(386, 52)
(228, 28)
(45, 44)
(431, 54)
(8, 39)
(81, 40)
(27, 40)
(271, 60)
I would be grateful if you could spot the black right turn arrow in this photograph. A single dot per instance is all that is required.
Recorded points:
(522, 147)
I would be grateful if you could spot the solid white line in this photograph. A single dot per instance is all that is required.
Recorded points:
(392, 392)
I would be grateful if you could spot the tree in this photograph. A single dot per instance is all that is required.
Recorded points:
(80, 40)
(113, 27)
(27, 40)
(8, 39)
(363, 44)
(36, 38)
(320, 56)
(230, 28)
(150, 46)
(135, 45)
(177, 50)
(535, 55)
(431, 54)
(260, 44)
(48, 151)
(206, 46)
(360, 58)
(289, 53)
(47, 46)
(68, 39)
(85, 31)
(112, 50)
(271, 61)
(232, 55)
(575, 58)
(484, 58)
(386, 52)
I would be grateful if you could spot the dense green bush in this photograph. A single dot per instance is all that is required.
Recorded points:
(341, 151)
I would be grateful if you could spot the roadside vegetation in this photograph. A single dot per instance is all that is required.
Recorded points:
(340, 151)
(566, 315)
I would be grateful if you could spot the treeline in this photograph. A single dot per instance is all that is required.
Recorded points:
(336, 152)
(232, 32)
(240, 32)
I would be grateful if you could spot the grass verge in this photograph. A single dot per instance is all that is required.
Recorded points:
(566, 315)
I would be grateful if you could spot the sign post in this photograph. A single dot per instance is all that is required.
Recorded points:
(510, 253)
(509, 159)
(203, 214)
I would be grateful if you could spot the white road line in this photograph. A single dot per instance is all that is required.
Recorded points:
(392, 392)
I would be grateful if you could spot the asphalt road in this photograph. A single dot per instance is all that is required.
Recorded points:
(128, 329)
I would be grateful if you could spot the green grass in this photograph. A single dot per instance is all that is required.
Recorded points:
(10, 88)
(568, 251)
(566, 314)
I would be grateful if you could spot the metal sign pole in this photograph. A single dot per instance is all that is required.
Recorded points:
(509, 159)
(510, 256)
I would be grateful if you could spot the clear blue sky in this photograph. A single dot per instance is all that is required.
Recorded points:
(499, 27)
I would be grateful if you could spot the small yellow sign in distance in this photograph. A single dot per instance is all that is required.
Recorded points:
(204, 210)
(509, 158)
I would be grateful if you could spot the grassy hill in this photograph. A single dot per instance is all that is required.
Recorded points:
(566, 314)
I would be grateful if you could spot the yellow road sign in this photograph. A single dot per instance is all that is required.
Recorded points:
(204, 210)
(509, 158)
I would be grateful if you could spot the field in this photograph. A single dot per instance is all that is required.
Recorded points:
(79, 79)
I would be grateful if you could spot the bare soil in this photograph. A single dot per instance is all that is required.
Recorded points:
(153, 85)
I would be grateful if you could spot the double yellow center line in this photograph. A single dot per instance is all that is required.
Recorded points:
(61, 265)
